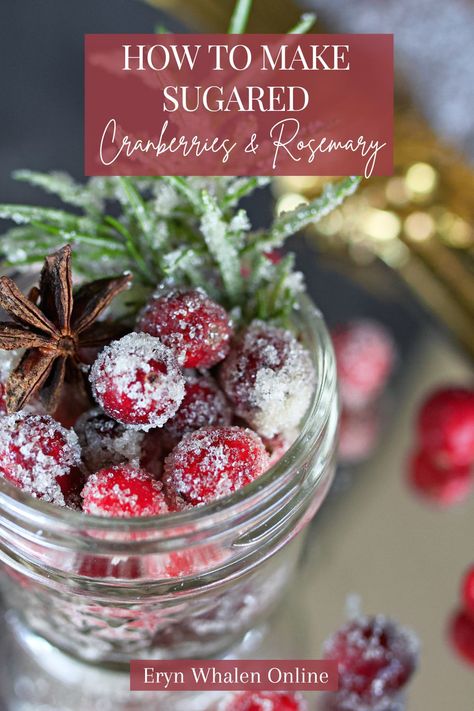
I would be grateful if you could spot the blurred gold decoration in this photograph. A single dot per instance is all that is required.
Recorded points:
(419, 222)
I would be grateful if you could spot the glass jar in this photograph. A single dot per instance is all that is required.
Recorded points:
(188, 584)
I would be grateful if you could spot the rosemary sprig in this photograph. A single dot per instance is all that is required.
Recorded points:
(188, 230)
(240, 16)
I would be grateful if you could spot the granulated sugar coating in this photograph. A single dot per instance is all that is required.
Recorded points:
(123, 492)
(105, 441)
(214, 462)
(186, 320)
(269, 377)
(137, 381)
(38, 455)
(376, 659)
(204, 404)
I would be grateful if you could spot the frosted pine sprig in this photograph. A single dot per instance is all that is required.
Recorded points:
(185, 230)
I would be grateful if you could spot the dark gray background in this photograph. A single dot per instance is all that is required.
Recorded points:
(41, 65)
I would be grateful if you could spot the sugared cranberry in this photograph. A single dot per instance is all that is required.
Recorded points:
(264, 701)
(39, 456)
(203, 405)
(442, 485)
(123, 491)
(365, 356)
(186, 320)
(446, 425)
(461, 630)
(467, 592)
(269, 378)
(375, 656)
(214, 462)
(105, 442)
(137, 381)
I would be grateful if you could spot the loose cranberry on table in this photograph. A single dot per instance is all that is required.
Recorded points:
(105, 442)
(467, 591)
(440, 484)
(204, 404)
(358, 434)
(196, 328)
(214, 462)
(446, 425)
(461, 632)
(376, 658)
(39, 456)
(269, 378)
(123, 491)
(264, 701)
(365, 356)
(137, 381)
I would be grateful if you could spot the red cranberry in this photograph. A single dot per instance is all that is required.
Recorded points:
(214, 462)
(446, 425)
(376, 657)
(461, 632)
(265, 701)
(365, 356)
(468, 592)
(186, 320)
(137, 381)
(269, 378)
(203, 405)
(106, 442)
(123, 491)
(39, 456)
(442, 485)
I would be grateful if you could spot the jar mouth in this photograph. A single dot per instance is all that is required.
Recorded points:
(317, 340)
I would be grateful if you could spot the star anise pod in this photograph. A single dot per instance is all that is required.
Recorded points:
(53, 325)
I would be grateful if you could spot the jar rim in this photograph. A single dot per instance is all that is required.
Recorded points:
(317, 339)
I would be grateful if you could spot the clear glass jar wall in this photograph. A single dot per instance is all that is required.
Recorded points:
(188, 584)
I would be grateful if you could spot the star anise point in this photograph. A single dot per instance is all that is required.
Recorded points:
(52, 325)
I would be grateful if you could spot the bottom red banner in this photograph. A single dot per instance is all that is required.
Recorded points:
(233, 675)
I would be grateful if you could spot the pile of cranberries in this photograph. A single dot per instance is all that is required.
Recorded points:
(184, 412)
(441, 468)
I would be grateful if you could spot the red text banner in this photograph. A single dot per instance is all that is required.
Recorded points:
(238, 104)
(233, 675)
